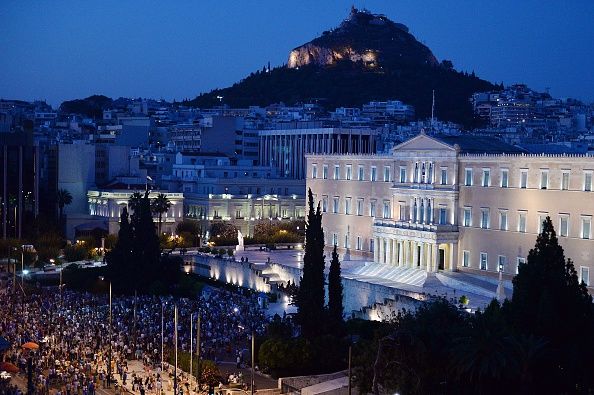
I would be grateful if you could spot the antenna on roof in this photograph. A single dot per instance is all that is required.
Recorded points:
(432, 108)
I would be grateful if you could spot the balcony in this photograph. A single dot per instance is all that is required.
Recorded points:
(415, 226)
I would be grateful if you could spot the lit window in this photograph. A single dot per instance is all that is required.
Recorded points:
(314, 171)
(335, 239)
(483, 264)
(503, 220)
(324, 204)
(337, 172)
(586, 227)
(402, 174)
(467, 216)
(523, 179)
(373, 173)
(387, 209)
(486, 177)
(443, 216)
(335, 205)
(468, 177)
(386, 174)
(347, 206)
(544, 179)
(501, 262)
(564, 225)
(565, 180)
(361, 176)
(588, 181)
(372, 208)
(325, 172)
(504, 178)
(485, 220)
(444, 176)
(349, 172)
(465, 258)
(522, 222)
(359, 245)
(585, 275)
(402, 211)
(359, 206)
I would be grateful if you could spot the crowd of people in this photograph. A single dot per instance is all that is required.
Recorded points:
(76, 341)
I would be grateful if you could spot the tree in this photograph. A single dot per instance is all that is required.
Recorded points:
(135, 201)
(310, 300)
(549, 302)
(335, 307)
(64, 198)
(160, 205)
(120, 258)
(146, 251)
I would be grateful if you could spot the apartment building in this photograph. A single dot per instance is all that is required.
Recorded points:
(454, 203)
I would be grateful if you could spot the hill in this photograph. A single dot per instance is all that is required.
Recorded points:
(367, 57)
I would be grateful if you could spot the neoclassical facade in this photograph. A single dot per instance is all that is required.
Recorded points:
(454, 203)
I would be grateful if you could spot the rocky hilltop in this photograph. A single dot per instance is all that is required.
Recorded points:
(367, 57)
(374, 40)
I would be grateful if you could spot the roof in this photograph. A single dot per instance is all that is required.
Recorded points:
(480, 145)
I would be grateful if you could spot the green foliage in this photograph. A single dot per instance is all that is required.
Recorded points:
(209, 371)
(92, 106)
(464, 300)
(335, 307)
(310, 300)
(271, 232)
(223, 234)
(75, 252)
(159, 206)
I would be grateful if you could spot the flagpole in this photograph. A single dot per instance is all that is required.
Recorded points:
(162, 337)
(175, 334)
(199, 373)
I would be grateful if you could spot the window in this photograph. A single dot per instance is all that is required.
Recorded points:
(402, 174)
(347, 206)
(524, 178)
(544, 179)
(503, 220)
(324, 204)
(371, 245)
(465, 258)
(387, 209)
(541, 219)
(443, 179)
(585, 275)
(485, 220)
(565, 180)
(443, 216)
(386, 174)
(325, 172)
(504, 178)
(335, 205)
(402, 211)
(359, 206)
(314, 171)
(586, 227)
(373, 173)
(372, 208)
(349, 172)
(335, 239)
(467, 216)
(501, 262)
(563, 225)
(520, 261)
(337, 172)
(359, 245)
(522, 222)
(483, 264)
(468, 177)
(361, 175)
(416, 173)
(486, 177)
(588, 181)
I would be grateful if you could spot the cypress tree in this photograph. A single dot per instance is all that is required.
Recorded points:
(335, 307)
(310, 299)
(118, 260)
(146, 249)
(550, 302)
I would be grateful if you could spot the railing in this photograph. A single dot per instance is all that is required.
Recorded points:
(416, 226)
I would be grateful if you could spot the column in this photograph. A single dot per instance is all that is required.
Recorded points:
(453, 256)
(376, 249)
(414, 254)
(423, 256)
(435, 257)
(400, 253)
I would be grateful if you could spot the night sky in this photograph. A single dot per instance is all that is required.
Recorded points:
(60, 50)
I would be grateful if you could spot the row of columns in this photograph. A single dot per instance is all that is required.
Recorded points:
(414, 254)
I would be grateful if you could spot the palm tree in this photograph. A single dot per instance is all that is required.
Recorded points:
(161, 204)
(64, 198)
(134, 202)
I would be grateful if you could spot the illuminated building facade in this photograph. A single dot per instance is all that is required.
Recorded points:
(454, 203)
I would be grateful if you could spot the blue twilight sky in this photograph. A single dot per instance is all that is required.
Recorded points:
(60, 49)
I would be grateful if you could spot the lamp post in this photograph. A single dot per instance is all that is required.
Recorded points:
(161, 336)
(199, 373)
(191, 349)
(175, 334)
(253, 359)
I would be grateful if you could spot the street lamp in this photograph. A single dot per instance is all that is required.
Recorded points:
(110, 336)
